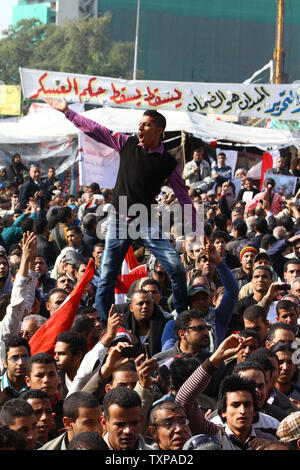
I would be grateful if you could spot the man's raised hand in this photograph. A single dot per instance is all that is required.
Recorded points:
(59, 105)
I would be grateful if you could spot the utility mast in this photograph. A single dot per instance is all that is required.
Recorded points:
(279, 51)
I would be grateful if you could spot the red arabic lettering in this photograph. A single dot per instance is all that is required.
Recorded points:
(154, 100)
(62, 90)
(121, 98)
(89, 90)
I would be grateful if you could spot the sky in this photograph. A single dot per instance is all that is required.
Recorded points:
(6, 13)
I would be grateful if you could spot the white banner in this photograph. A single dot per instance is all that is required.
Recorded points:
(256, 100)
(97, 162)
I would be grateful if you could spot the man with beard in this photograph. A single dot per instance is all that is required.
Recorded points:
(70, 349)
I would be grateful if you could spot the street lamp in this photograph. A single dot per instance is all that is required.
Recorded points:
(136, 39)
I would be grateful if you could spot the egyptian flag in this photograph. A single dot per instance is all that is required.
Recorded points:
(268, 162)
(44, 339)
(131, 272)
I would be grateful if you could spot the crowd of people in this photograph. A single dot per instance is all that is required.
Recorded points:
(195, 347)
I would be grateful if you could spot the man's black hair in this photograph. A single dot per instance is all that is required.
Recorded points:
(240, 226)
(14, 408)
(285, 305)
(234, 383)
(82, 323)
(4, 303)
(15, 341)
(39, 358)
(87, 441)
(183, 320)
(261, 357)
(282, 347)
(56, 290)
(278, 326)
(78, 400)
(75, 341)
(254, 312)
(180, 370)
(33, 393)
(75, 229)
(121, 396)
(289, 262)
(39, 225)
(287, 222)
(219, 234)
(10, 439)
(159, 119)
(248, 333)
(248, 365)
(261, 225)
(27, 224)
(63, 214)
(151, 282)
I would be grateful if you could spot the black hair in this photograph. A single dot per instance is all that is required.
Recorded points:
(10, 439)
(289, 262)
(39, 358)
(128, 366)
(261, 225)
(33, 393)
(261, 357)
(285, 305)
(267, 240)
(56, 290)
(75, 341)
(87, 441)
(278, 326)
(248, 333)
(151, 282)
(82, 323)
(27, 224)
(14, 408)
(4, 303)
(63, 214)
(39, 225)
(281, 346)
(15, 341)
(254, 312)
(219, 234)
(75, 228)
(234, 383)
(120, 396)
(159, 119)
(183, 320)
(181, 369)
(248, 365)
(78, 400)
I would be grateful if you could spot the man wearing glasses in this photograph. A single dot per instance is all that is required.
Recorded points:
(169, 426)
(13, 380)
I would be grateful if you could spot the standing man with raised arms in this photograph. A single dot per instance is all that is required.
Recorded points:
(144, 168)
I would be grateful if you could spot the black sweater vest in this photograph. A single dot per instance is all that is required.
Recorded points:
(141, 175)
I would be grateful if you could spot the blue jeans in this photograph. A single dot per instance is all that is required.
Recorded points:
(117, 243)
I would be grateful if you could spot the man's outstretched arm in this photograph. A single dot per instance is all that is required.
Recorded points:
(89, 127)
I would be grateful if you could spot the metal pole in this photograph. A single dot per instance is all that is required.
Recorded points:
(136, 39)
(279, 51)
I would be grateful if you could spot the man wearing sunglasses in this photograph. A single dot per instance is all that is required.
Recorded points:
(13, 380)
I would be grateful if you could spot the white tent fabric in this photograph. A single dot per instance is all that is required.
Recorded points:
(51, 125)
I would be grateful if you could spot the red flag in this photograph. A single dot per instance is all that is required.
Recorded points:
(267, 163)
(44, 339)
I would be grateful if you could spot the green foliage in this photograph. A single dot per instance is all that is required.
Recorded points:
(77, 46)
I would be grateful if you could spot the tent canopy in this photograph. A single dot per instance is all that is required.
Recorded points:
(50, 125)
